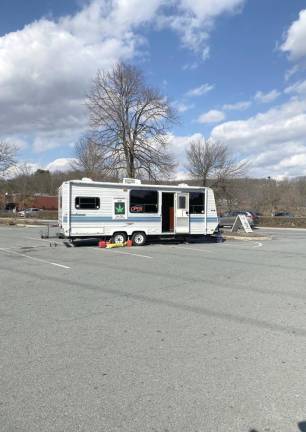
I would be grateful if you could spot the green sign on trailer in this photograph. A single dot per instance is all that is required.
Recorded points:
(119, 208)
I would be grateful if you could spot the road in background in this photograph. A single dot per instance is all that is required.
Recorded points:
(167, 337)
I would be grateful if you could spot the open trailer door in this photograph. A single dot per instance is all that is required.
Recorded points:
(182, 213)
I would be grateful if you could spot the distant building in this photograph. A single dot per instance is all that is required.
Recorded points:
(44, 202)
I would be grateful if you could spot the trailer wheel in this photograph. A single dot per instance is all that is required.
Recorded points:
(139, 238)
(119, 237)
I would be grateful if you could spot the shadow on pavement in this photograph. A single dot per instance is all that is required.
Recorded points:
(302, 426)
(175, 240)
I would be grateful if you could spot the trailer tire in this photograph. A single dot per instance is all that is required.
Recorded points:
(139, 238)
(119, 237)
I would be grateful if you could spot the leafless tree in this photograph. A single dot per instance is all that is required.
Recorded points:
(129, 121)
(7, 156)
(210, 161)
(91, 158)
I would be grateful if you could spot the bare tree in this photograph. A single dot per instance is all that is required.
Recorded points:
(91, 158)
(211, 161)
(129, 121)
(7, 156)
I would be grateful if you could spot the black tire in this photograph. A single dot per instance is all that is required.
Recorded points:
(119, 237)
(139, 238)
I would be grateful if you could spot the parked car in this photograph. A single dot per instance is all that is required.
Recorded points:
(283, 214)
(228, 218)
(29, 212)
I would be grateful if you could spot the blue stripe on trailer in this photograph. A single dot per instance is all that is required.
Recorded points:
(132, 219)
(202, 220)
(110, 219)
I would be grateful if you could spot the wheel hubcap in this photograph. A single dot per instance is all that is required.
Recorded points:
(119, 239)
(139, 239)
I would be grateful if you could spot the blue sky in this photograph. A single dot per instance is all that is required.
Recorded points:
(234, 69)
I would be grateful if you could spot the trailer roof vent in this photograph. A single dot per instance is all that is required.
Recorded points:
(131, 181)
(86, 179)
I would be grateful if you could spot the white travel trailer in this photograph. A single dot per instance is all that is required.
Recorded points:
(134, 210)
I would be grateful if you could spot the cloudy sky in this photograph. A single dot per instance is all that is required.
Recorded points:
(234, 69)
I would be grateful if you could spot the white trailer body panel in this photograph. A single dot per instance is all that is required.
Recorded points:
(114, 211)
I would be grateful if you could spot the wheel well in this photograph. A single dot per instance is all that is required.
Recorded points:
(139, 231)
(120, 232)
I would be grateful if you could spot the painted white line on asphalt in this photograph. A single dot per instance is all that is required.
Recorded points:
(134, 254)
(9, 251)
(191, 248)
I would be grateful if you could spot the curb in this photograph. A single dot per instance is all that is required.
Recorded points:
(244, 238)
(281, 228)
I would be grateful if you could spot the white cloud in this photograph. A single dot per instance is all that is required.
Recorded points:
(201, 90)
(46, 67)
(266, 97)
(182, 107)
(238, 106)
(22, 168)
(190, 66)
(270, 140)
(298, 87)
(212, 116)
(195, 20)
(61, 164)
(207, 9)
(291, 71)
(295, 38)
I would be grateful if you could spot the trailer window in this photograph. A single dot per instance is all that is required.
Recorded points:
(143, 201)
(87, 203)
(196, 202)
(181, 202)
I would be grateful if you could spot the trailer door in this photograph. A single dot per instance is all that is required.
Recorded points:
(182, 213)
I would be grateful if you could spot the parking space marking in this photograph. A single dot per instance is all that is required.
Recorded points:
(243, 244)
(9, 251)
(134, 254)
(192, 248)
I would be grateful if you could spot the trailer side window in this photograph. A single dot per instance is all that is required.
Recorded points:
(143, 201)
(196, 202)
(89, 203)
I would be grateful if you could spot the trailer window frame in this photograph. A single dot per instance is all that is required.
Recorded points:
(195, 206)
(94, 205)
(138, 207)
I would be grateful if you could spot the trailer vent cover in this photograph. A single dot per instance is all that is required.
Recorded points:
(131, 181)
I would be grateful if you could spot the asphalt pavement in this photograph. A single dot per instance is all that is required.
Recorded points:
(166, 338)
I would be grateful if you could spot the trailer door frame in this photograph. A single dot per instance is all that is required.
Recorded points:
(182, 217)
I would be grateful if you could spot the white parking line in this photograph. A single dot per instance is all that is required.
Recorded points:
(250, 243)
(131, 253)
(9, 251)
(192, 248)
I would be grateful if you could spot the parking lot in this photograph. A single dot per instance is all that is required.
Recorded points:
(167, 337)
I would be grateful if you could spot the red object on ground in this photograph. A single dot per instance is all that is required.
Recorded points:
(129, 243)
(102, 244)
